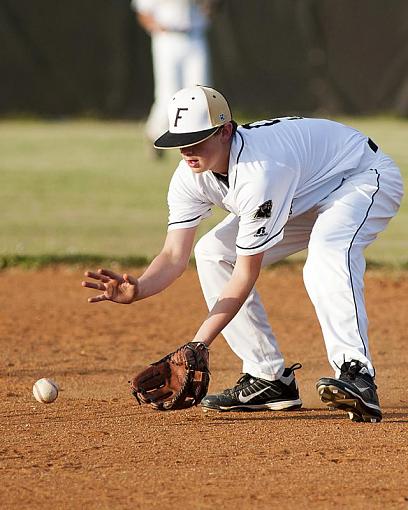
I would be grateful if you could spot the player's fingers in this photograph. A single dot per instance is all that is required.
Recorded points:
(130, 279)
(97, 276)
(96, 299)
(110, 274)
(97, 286)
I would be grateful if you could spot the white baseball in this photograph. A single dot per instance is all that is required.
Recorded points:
(45, 391)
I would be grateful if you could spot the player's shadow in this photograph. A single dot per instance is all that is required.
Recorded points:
(301, 414)
(251, 415)
(396, 416)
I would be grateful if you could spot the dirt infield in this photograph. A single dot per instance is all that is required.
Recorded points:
(95, 448)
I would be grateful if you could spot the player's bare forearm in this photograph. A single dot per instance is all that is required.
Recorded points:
(168, 265)
(233, 296)
(161, 273)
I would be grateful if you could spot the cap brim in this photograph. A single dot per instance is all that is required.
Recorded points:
(180, 140)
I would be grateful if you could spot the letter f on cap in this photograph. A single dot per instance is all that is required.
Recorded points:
(178, 116)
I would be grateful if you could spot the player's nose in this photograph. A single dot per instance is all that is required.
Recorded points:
(186, 151)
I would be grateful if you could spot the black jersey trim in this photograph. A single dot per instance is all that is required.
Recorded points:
(262, 244)
(239, 155)
(186, 221)
(222, 178)
(349, 258)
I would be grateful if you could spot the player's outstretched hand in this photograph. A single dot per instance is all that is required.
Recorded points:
(115, 287)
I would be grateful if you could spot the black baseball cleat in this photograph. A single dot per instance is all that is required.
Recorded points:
(254, 394)
(354, 391)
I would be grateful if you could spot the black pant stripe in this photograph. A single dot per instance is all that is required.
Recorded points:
(349, 258)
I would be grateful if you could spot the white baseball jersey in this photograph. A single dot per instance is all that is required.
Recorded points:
(173, 15)
(278, 169)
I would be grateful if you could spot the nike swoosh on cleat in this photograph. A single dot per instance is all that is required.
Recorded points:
(365, 388)
(244, 399)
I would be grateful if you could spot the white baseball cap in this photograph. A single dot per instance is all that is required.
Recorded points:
(195, 114)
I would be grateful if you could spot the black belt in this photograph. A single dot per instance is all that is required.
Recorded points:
(372, 145)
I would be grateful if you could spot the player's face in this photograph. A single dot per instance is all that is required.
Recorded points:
(211, 154)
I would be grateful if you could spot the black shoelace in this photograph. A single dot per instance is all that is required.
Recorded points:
(241, 383)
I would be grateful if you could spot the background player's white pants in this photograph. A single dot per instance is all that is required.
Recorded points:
(179, 60)
(335, 232)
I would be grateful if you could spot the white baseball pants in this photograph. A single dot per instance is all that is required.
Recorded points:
(179, 60)
(336, 232)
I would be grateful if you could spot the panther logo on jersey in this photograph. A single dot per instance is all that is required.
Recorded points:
(264, 210)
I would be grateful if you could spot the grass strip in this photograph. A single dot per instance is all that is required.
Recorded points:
(94, 261)
(80, 260)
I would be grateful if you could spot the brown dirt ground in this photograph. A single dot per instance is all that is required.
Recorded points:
(96, 448)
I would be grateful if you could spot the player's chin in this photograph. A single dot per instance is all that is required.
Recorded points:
(199, 169)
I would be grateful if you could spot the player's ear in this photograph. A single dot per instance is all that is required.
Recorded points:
(226, 131)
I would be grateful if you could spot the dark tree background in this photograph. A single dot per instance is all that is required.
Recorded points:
(270, 57)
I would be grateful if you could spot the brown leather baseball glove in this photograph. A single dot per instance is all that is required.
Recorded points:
(177, 381)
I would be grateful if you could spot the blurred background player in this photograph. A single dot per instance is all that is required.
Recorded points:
(178, 30)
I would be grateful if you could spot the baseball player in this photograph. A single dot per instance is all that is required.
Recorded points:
(289, 184)
(179, 51)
